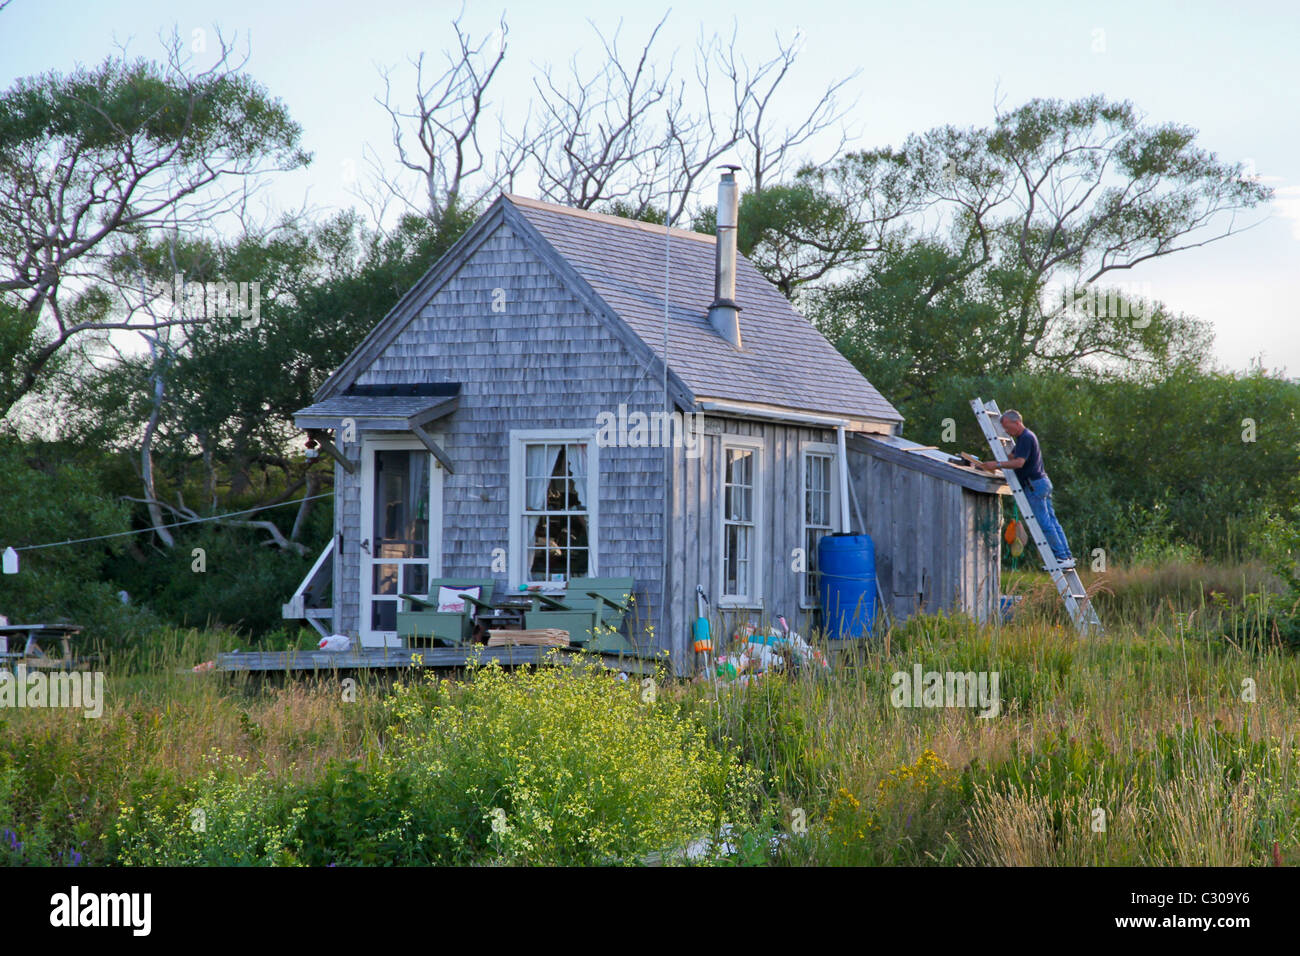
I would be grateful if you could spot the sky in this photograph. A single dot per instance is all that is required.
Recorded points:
(1232, 71)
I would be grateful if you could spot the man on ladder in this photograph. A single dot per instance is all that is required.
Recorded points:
(1027, 460)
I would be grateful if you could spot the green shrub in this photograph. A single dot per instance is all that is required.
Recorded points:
(1266, 617)
(243, 584)
(351, 817)
(25, 837)
(51, 493)
(1155, 540)
(235, 817)
(560, 766)
(912, 816)
(1121, 450)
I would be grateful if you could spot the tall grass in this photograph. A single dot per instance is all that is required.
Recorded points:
(1171, 739)
(1141, 746)
(64, 778)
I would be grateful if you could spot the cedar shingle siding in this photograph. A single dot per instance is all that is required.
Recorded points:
(546, 361)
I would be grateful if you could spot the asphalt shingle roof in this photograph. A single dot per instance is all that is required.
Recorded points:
(784, 362)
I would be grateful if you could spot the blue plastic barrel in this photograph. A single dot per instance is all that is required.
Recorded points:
(847, 563)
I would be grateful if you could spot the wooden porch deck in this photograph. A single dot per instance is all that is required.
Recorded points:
(394, 658)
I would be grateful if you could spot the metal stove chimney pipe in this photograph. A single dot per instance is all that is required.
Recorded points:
(724, 314)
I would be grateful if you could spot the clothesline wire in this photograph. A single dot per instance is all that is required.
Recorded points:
(174, 524)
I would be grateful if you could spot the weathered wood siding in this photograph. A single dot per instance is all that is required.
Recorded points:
(546, 361)
(982, 571)
(694, 546)
(936, 542)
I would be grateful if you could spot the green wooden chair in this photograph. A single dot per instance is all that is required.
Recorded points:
(591, 610)
(424, 625)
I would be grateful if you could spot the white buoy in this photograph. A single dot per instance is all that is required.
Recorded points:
(10, 561)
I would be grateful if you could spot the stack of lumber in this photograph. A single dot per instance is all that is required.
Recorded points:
(538, 637)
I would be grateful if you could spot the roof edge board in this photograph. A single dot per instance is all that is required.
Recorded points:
(745, 411)
(759, 409)
(866, 445)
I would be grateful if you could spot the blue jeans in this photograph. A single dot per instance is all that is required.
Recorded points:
(1039, 493)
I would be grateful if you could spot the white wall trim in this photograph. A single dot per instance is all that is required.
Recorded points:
(805, 449)
(515, 543)
(761, 551)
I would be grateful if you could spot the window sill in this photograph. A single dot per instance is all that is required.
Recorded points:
(738, 604)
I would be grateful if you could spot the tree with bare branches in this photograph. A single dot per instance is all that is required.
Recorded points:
(438, 140)
(600, 138)
(640, 135)
(633, 133)
(96, 154)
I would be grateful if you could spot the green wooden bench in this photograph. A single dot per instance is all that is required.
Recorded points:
(423, 622)
(591, 610)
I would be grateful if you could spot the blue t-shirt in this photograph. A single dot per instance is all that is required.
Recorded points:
(1026, 447)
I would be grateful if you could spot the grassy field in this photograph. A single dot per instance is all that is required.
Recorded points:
(1170, 740)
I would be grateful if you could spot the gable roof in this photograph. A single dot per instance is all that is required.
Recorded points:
(617, 267)
(785, 362)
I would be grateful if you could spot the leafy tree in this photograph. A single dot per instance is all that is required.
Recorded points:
(1211, 453)
(222, 396)
(911, 329)
(1026, 224)
(96, 154)
(828, 220)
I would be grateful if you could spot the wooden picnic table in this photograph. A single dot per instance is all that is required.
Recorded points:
(33, 635)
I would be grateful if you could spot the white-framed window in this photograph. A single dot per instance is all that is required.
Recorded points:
(820, 494)
(740, 496)
(554, 495)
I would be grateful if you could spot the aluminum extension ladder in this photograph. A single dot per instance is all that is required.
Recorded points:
(1067, 581)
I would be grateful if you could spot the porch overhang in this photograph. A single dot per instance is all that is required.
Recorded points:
(395, 413)
(382, 413)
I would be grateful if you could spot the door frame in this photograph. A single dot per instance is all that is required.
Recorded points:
(369, 445)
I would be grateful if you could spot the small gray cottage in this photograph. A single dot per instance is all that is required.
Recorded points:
(567, 393)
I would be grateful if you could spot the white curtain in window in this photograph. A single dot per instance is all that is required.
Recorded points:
(577, 458)
(419, 488)
(538, 468)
